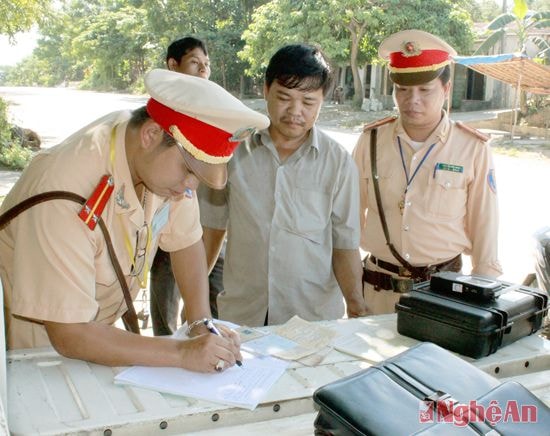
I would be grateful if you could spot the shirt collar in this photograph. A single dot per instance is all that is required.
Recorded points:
(312, 142)
(440, 133)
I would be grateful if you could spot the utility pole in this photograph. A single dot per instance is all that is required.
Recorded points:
(500, 86)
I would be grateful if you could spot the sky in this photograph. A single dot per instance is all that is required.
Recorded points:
(24, 45)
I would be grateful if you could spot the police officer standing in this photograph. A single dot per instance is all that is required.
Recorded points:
(428, 191)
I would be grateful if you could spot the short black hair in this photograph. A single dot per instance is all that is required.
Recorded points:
(299, 66)
(138, 118)
(445, 75)
(180, 47)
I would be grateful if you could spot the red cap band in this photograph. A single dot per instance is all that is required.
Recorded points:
(204, 137)
(427, 60)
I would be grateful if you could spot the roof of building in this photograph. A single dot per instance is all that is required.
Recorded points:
(514, 69)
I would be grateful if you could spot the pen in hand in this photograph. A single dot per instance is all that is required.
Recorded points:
(213, 329)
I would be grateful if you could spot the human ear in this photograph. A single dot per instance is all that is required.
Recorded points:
(151, 134)
(447, 89)
(172, 64)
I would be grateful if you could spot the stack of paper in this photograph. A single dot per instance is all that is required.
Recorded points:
(237, 386)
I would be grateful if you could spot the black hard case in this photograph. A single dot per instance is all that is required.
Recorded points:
(474, 329)
(387, 398)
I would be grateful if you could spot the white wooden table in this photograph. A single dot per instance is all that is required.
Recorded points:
(52, 395)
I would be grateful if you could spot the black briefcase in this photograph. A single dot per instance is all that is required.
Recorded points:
(430, 391)
(471, 328)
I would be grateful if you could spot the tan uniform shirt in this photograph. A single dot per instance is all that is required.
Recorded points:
(53, 267)
(450, 206)
(283, 221)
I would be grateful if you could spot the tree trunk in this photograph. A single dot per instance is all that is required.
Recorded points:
(356, 31)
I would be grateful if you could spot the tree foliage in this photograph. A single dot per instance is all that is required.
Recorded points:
(521, 21)
(20, 15)
(349, 31)
(109, 44)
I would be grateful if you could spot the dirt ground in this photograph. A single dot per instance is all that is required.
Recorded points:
(345, 117)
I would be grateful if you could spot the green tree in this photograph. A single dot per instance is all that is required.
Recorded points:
(521, 22)
(349, 31)
(338, 27)
(219, 23)
(114, 45)
(483, 11)
(20, 15)
(16, 16)
(51, 62)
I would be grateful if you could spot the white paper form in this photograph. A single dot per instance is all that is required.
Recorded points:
(310, 337)
(269, 345)
(237, 386)
(374, 344)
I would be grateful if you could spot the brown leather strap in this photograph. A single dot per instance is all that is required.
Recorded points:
(378, 279)
(454, 264)
(130, 318)
(381, 280)
(415, 272)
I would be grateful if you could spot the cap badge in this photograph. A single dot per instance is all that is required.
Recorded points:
(241, 134)
(410, 48)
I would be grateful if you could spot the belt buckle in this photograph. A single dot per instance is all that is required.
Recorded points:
(430, 269)
(404, 272)
(401, 286)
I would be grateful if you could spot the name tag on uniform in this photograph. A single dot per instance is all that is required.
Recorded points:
(448, 167)
(160, 219)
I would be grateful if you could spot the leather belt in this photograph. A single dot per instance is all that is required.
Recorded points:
(384, 281)
(454, 264)
(404, 283)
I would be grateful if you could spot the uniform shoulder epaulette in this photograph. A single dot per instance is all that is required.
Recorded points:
(379, 123)
(472, 131)
(93, 208)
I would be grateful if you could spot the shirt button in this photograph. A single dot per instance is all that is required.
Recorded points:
(414, 157)
(406, 228)
(407, 256)
(272, 249)
(447, 184)
(408, 203)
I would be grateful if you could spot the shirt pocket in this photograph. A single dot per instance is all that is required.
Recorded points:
(447, 195)
(311, 211)
(105, 272)
(390, 190)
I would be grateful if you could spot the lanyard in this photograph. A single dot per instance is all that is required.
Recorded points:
(142, 272)
(409, 181)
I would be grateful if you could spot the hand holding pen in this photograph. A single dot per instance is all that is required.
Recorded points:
(230, 336)
(214, 330)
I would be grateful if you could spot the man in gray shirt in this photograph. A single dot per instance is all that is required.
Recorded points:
(290, 208)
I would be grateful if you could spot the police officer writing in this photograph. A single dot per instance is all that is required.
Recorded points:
(428, 191)
(58, 259)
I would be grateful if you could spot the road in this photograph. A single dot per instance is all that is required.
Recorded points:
(523, 183)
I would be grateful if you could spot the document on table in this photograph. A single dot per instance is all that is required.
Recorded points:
(237, 386)
(309, 337)
(297, 339)
(374, 345)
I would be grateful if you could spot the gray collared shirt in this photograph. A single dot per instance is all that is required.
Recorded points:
(283, 221)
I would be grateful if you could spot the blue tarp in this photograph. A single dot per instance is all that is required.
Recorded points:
(486, 59)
